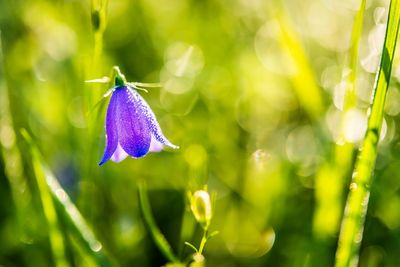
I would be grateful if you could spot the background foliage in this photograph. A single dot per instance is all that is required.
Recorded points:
(253, 94)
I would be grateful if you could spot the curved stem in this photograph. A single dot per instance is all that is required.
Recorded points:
(155, 232)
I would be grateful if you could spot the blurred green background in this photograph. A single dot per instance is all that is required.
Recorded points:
(253, 93)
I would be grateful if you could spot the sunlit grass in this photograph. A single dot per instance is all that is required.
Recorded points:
(357, 203)
(267, 101)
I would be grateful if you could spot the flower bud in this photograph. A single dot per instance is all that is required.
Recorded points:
(201, 207)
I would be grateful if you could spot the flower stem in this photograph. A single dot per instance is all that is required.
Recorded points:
(203, 241)
(99, 23)
(357, 202)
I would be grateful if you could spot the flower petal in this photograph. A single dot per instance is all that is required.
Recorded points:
(153, 125)
(133, 132)
(111, 130)
(119, 154)
(155, 146)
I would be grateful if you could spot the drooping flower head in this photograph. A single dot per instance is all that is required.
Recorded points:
(131, 126)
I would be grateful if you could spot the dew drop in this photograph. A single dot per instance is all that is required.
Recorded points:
(353, 186)
(96, 246)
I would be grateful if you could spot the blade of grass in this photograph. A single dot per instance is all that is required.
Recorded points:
(329, 204)
(305, 85)
(10, 208)
(58, 200)
(350, 95)
(55, 233)
(77, 225)
(155, 232)
(94, 122)
(357, 202)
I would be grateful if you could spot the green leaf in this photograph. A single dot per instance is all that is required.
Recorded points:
(212, 234)
(191, 246)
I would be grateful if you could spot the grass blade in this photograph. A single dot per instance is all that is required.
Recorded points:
(56, 199)
(55, 233)
(158, 237)
(350, 96)
(357, 203)
(329, 203)
(305, 84)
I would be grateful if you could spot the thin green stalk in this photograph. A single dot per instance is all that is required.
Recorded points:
(350, 97)
(329, 205)
(203, 242)
(76, 224)
(55, 234)
(12, 158)
(158, 237)
(99, 24)
(305, 85)
(5, 122)
(94, 122)
(357, 203)
(56, 199)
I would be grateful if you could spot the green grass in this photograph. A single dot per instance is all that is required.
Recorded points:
(255, 93)
(357, 203)
(54, 198)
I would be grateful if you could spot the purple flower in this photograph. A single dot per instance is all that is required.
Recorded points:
(131, 127)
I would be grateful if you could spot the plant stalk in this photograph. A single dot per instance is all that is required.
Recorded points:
(351, 232)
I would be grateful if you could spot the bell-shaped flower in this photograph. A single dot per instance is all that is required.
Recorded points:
(131, 126)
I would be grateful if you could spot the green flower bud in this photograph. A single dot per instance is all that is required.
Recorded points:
(201, 207)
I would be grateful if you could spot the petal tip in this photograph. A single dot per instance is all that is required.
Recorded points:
(174, 146)
(119, 154)
(169, 144)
